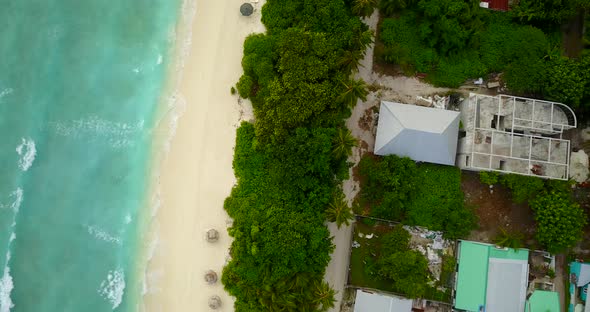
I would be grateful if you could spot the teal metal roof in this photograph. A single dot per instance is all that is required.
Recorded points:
(511, 254)
(472, 277)
(490, 277)
(543, 301)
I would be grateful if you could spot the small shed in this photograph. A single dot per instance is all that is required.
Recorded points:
(375, 302)
(420, 133)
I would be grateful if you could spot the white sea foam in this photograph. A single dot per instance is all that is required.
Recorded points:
(103, 235)
(117, 134)
(128, 218)
(5, 92)
(160, 58)
(176, 108)
(18, 199)
(113, 287)
(27, 152)
(6, 286)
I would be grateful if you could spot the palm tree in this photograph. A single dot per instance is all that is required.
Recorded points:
(343, 143)
(323, 296)
(362, 39)
(388, 7)
(354, 90)
(351, 60)
(364, 8)
(338, 211)
(509, 239)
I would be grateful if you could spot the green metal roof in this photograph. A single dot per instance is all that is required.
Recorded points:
(543, 301)
(472, 277)
(513, 254)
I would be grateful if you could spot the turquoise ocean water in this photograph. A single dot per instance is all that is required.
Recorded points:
(80, 83)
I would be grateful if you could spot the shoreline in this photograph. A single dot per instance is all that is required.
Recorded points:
(192, 170)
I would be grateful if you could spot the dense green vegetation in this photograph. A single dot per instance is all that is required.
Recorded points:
(298, 74)
(281, 245)
(428, 195)
(560, 221)
(551, 11)
(386, 262)
(289, 164)
(455, 40)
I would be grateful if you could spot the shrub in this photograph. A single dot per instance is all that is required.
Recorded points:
(523, 188)
(526, 76)
(403, 45)
(245, 86)
(453, 71)
(395, 241)
(545, 11)
(566, 81)
(448, 26)
(560, 221)
(489, 177)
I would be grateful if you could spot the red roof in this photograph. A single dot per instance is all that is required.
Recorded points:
(501, 5)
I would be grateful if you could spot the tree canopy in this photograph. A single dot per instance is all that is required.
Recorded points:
(290, 161)
(406, 269)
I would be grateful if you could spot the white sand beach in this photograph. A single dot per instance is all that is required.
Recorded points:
(197, 175)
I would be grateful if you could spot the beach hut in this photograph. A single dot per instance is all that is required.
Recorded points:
(212, 235)
(214, 302)
(211, 277)
(246, 9)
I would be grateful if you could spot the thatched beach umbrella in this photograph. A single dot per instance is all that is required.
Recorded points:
(214, 302)
(212, 235)
(211, 277)
(246, 9)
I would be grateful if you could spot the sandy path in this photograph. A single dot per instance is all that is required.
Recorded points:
(197, 175)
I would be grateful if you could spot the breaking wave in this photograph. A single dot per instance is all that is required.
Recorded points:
(6, 286)
(118, 134)
(27, 152)
(113, 287)
(6, 282)
(103, 235)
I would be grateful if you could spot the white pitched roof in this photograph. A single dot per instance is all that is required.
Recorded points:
(374, 302)
(421, 133)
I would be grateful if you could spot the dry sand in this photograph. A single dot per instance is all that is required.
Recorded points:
(196, 175)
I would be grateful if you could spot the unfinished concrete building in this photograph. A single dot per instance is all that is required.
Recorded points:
(515, 135)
